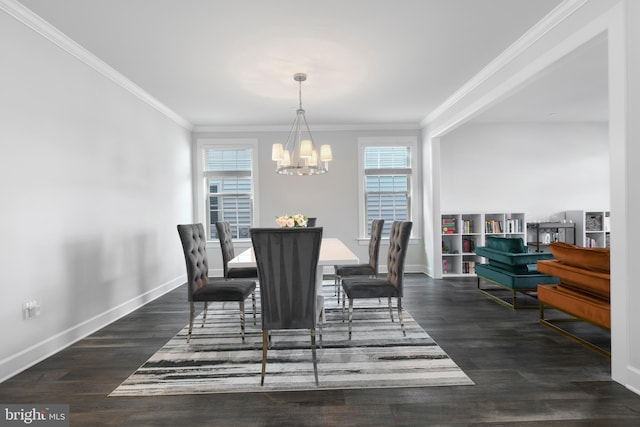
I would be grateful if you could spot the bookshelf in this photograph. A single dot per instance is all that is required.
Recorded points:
(461, 233)
(592, 227)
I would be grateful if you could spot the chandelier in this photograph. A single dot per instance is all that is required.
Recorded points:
(299, 156)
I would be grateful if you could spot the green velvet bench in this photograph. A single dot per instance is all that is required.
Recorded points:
(511, 266)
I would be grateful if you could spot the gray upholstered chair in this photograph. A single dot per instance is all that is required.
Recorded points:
(391, 286)
(201, 287)
(228, 253)
(287, 261)
(369, 269)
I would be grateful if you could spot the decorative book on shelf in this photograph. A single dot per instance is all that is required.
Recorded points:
(468, 267)
(448, 225)
(493, 226)
(514, 226)
(468, 244)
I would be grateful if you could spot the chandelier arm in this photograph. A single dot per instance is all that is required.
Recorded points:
(304, 117)
(294, 126)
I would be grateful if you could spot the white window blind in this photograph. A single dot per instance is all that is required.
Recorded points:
(229, 181)
(387, 174)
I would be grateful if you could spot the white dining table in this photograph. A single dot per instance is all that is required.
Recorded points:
(332, 252)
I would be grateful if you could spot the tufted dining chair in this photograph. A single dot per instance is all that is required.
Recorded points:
(369, 269)
(201, 287)
(391, 286)
(287, 261)
(228, 253)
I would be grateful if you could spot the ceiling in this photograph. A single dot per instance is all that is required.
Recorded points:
(369, 62)
(574, 89)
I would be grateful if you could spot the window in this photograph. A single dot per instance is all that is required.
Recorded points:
(387, 180)
(227, 172)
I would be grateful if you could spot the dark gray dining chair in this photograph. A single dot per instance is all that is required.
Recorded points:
(311, 221)
(391, 286)
(287, 261)
(201, 287)
(228, 253)
(369, 269)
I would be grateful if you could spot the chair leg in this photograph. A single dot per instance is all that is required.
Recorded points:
(391, 310)
(343, 300)
(350, 315)
(320, 325)
(313, 354)
(265, 346)
(400, 316)
(242, 320)
(191, 313)
(253, 300)
(204, 315)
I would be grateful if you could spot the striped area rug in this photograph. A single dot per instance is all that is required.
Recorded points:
(216, 360)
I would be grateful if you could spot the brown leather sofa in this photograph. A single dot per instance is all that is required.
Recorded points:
(584, 288)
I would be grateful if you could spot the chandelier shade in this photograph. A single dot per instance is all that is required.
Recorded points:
(299, 155)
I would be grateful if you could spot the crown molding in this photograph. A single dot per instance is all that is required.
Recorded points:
(49, 32)
(204, 128)
(535, 33)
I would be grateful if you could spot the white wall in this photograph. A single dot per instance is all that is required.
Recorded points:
(538, 169)
(332, 197)
(624, 86)
(93, 182)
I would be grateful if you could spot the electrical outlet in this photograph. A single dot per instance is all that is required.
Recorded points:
(30, 309)
(26, 310)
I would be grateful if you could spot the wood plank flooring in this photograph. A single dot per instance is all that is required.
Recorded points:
(525, 375)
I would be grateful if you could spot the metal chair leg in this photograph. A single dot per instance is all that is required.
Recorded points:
(313, 354)
(191, 313)
(265, 345)
(253, 300)
(391, 310)
(242, 320)
(400, 316)
(204, 316)
(321, 325)
(350, 315)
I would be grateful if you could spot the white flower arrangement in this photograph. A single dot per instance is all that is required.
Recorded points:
(292, 221)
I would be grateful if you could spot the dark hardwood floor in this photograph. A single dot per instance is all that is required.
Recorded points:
(525, 375)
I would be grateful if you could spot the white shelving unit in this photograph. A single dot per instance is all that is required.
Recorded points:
(463, 232)
(592, 227)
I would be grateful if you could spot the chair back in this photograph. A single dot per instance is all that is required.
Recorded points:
(311, 221)
(398, 245)
(194, 242)
(374, 243)
(287, 260)
(226, 244)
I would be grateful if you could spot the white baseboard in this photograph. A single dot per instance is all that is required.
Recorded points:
(28, 357)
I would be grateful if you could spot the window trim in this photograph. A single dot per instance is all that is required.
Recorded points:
(200, 176)
(387, 141)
